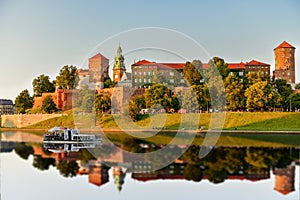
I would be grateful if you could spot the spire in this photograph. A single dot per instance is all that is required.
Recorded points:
(119, 50)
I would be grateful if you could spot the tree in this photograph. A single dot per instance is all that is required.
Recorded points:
(43, 163)
(48, 105)
(192, 172)
(135, 106)
(108, 83)
(159, 94)
(215, 85)
(84, 101)
(23, 102)
(23, 150)
(234, 88)
(259, 96)
(42, 84)
(191, 73)
(222, 67)
(254, 77)
(67, 168)
(67, 77)
(297, 86)
(190, 101)
(285, 90)
(102, 103)
(294, 100)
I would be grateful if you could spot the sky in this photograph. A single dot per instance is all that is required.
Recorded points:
(40, 37)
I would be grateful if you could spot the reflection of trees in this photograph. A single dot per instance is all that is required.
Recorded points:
(222, 162)
(23, 150)
(43, 163)
(192, 172)
(85, 156)
(67, 168)
(258, 160)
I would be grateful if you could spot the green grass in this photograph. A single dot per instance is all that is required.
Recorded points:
(270, 121)
(261, 140)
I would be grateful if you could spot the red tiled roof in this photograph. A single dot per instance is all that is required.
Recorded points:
(255, 62)
(98, 55)
(240, 65)
(284, 44)
(142, 62)
(171, 65)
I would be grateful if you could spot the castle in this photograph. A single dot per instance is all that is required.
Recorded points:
(143, 72)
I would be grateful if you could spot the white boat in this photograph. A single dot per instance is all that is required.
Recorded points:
(66, 135)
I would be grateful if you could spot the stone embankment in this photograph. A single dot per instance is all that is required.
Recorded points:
(23, 120)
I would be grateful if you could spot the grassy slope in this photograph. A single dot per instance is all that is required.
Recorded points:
(243, 121)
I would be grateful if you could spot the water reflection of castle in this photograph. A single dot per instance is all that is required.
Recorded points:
(98, 172)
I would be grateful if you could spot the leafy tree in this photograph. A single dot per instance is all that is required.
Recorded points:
(67, 77)
(254, 77)
(259, 95)
(192, 172)
(135, 106)
(43, 163)
(297, 86)
(215, 85)
(190, 101)
(67, 168)
(23, 102)
(221, 66)
(294, 100)
(102, 103)
(234, 88)
(48, 105)
(108, 83)
(84, 101)
(285, 90)
(191, 73)
(42, 84)
(258, 160)
(23, 150)
(161, 95)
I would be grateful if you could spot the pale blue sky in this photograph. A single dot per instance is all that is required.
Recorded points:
(39, 37)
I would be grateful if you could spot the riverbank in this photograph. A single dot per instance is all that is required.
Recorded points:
(234, 122)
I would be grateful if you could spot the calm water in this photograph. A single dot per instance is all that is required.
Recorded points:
(33, 170)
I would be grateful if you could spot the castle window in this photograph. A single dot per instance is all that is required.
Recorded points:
(266, 73)
(171, 73)
(149, 81)
(145, 81)
(241, 73)
(145, 73)
(135, 80)
(149, 73)
(135, 72)
(182, 81)
(171, 80)
(140, 80)
(140, 73)
(153, 72)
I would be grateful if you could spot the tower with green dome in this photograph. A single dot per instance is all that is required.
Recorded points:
(119, 66)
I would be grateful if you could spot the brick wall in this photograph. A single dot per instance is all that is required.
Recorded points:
(19, 121)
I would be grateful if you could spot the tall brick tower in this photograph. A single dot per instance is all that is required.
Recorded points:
(285, 62)
(119, 66)
(98, 69)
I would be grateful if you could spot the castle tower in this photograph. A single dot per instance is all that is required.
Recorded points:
(98, 69)
(285, 62)
(119, 66)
